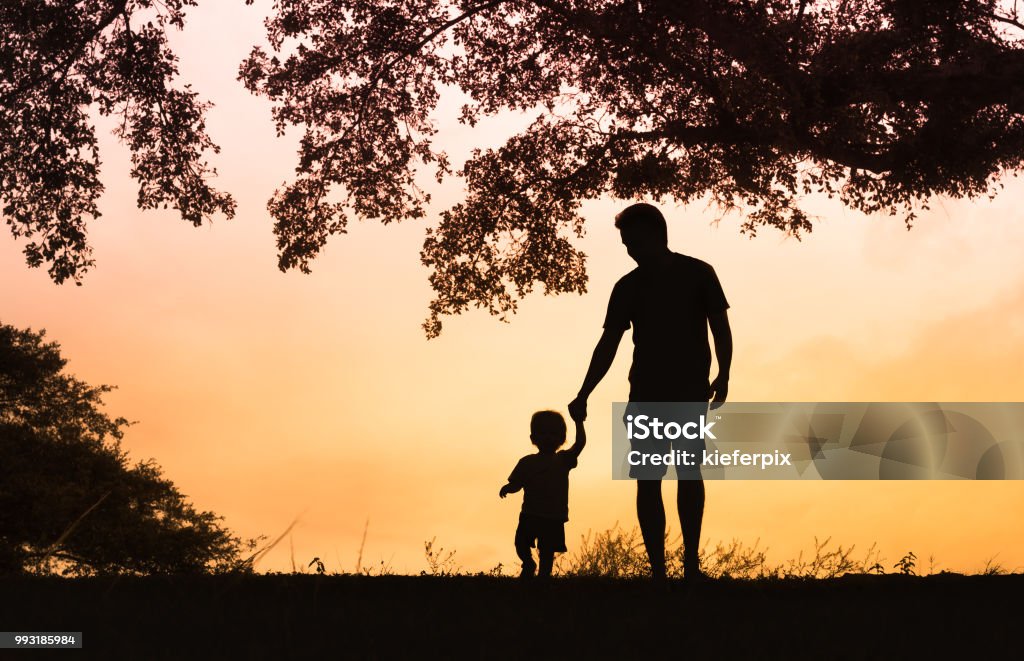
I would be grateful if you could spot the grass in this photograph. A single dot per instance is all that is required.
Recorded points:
(619, 553)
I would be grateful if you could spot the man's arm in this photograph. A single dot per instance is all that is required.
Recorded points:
(722, 335)
(581, 440)
(600, 362)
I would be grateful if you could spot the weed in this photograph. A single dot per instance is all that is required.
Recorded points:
(993, 568)
(618, 553)
(906, 564)
(439, 562)
(613, 552)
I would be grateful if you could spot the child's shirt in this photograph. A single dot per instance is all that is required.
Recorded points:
(545, 480)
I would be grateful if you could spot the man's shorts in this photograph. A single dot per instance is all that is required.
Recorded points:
(544, 533)
(678, 407)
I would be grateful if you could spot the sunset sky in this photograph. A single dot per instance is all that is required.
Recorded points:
(269, 396)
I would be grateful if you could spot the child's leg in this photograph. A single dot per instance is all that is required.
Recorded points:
(525, 553)
(547, 559)
(525, 536)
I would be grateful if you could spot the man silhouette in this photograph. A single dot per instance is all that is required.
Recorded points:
(669, 300)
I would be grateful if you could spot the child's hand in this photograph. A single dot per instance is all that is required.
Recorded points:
(578, 409)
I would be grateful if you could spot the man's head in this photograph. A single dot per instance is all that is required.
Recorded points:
(644, 232)
(547, 430)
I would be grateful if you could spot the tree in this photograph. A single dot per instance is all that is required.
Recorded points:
(61, 60)
(751, 104)
(69, 499)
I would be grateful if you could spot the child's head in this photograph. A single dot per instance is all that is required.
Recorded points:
(547, 430)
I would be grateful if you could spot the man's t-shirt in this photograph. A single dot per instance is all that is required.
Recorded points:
(668, 309)
(545, 480)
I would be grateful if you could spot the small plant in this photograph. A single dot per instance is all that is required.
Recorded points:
(993, 568)
(873, 563)
(827, 562)
(439, 562)
(381, 569)
(496, 571)
(362, 545)
(728, 560)
(320, 569)
(906, 564)
(612, 553)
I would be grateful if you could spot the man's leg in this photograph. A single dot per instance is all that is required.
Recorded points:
(690, 494)
(690, 501)
(650, 511)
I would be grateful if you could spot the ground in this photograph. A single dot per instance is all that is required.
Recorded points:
(311, 616)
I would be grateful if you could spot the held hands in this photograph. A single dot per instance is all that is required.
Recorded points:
(578, 409)
(720, 388)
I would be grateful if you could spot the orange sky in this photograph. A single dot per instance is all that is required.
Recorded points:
(268, 396)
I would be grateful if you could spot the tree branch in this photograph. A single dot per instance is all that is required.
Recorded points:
(118, 7)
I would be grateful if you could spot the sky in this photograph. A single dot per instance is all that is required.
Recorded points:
(272, 397)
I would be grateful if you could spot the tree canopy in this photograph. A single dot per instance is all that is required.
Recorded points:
(751, 104)
(61, 61)
(69, 498)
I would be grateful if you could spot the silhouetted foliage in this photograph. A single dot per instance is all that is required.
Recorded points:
(69, 499)
(60, 61)
(750, 103)
(618, 553)
(747, 103)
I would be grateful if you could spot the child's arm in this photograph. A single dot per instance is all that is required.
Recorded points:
(515, 480)
(581, 439)
(509, 488)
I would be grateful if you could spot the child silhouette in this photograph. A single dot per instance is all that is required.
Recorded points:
(544, 478)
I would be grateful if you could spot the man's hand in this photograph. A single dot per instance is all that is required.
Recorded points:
(578, 409)
(504, 491)
(720, 388)
(723, 353)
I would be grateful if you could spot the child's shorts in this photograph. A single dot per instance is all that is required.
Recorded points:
(544, 533)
